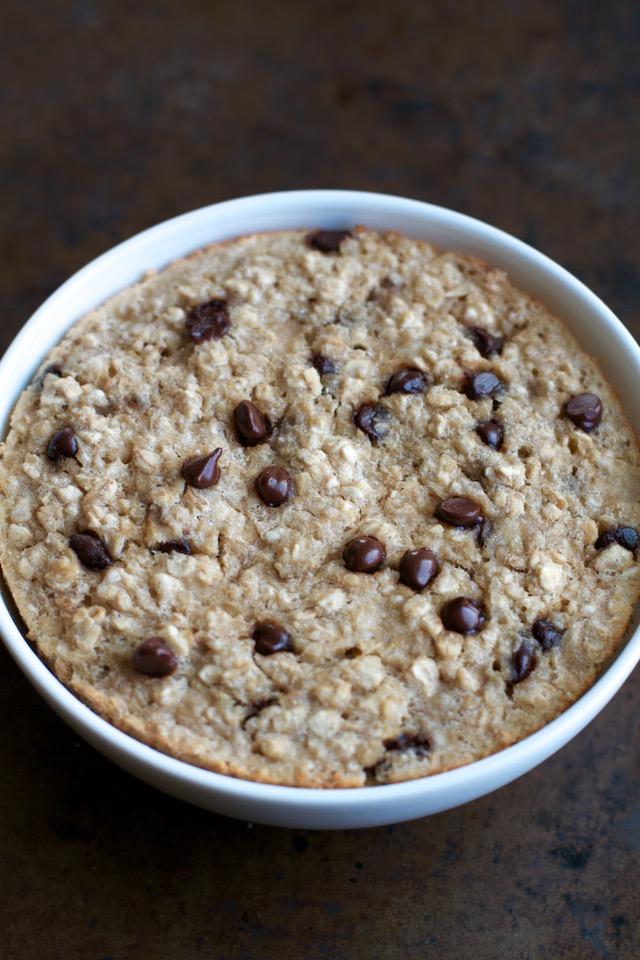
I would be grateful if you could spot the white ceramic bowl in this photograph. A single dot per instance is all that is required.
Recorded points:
(591, 321)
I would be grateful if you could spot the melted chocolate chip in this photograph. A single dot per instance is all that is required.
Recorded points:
(257, 706)
(487, 344)
(491, 432)
(273, 486)
(459, 511)
(323, 364)
(606, 539)
(351, 653)
(478, 386)
(63, 443)
(408, 380)
(626, 537)
(585, 410)
(202, 472)
(370, 417)
(173, 546)
(524, 662)
(55, 370)
(252, 427)
(154, 658)
(418, 568)
(364, 554)
(463, 615)
(271, 638)
(208, 321)
(90, 550)
(327, 241)
(546, 633)
(420, 743)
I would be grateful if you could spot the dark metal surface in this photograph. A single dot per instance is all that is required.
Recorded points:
(115, 115)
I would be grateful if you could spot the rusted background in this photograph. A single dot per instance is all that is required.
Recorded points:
(115, 115)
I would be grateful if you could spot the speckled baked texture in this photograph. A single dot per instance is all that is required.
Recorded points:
(376, 689)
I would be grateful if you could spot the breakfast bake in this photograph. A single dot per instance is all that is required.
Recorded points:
(322, 508)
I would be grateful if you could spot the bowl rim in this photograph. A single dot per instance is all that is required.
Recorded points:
(470, 779)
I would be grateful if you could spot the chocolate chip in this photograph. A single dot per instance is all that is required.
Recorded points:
(478, 386)
(257, 706)
(90, 550)
(370, 417)
(626, 537)
(351, 653)
(491, 432)
(208, 321)
(420, 743)
(202, 472)
(364, 554)
(173, 546)
(323, 364)
(407, 380)
(252, 427)
(546, 633)
(585, 410)
(606, 539)
(63, 443)
(54, 369)
(418, 568)
(154, 658)
(487, 344)
(459, 511)
(271, 638)
(327, 241)
(463, 615)
(273, 486)
(524, 662)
